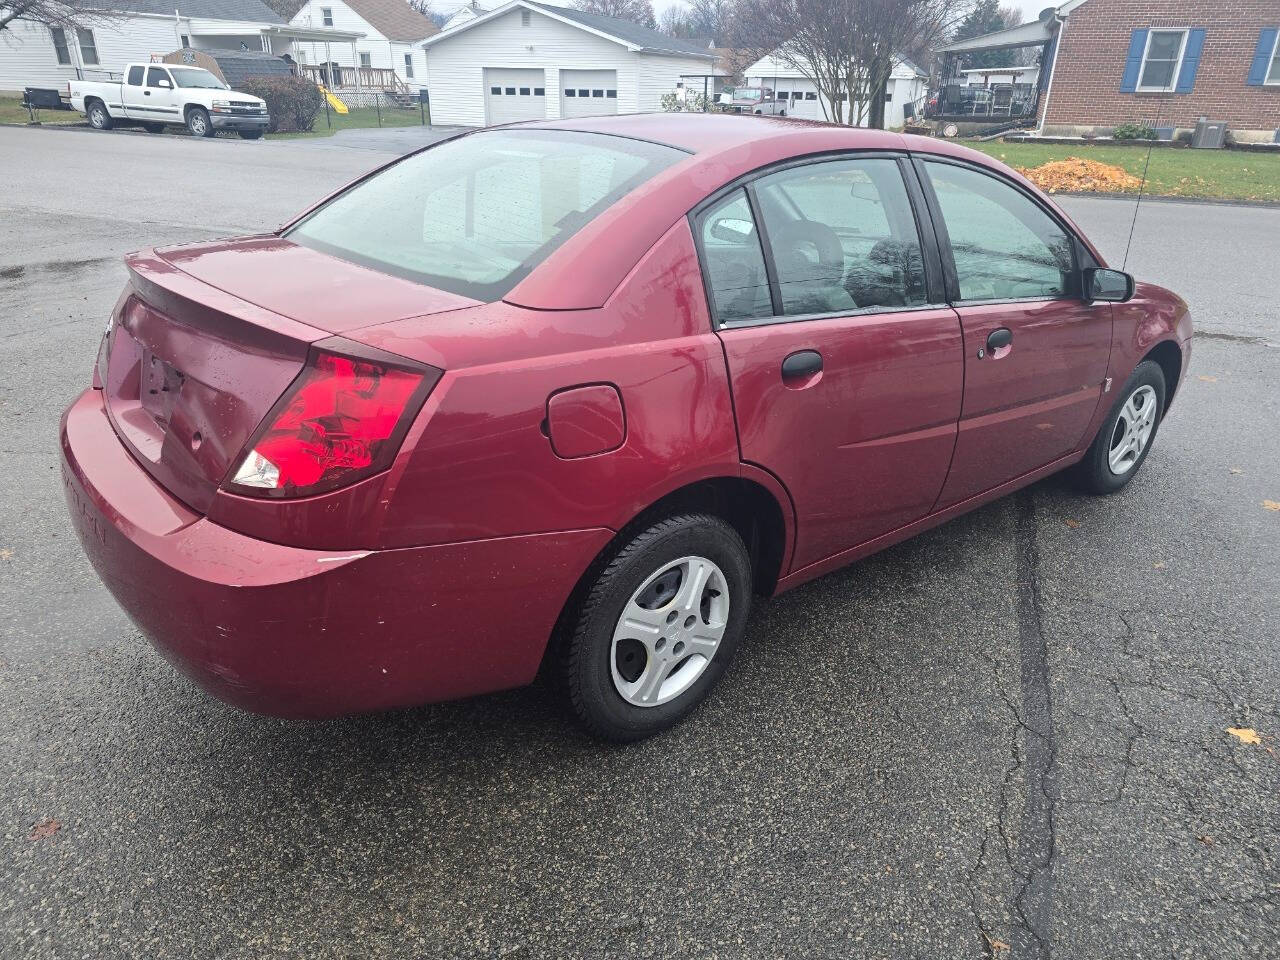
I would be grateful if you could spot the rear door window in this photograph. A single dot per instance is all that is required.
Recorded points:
(843, 237)
(475, 215)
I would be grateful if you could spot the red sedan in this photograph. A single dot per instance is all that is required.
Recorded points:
(571, 392)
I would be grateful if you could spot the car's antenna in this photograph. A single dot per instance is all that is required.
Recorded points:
(1141, 187)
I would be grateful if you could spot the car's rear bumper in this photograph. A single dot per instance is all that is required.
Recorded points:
(293, 632)
(223, 121)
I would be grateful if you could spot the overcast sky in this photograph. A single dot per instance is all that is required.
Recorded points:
(1030, 8)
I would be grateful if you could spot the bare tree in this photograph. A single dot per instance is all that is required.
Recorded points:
(637, 11)
(421, 6)
(675, 22)
(711, 19)
(69, 14)
(847, 48)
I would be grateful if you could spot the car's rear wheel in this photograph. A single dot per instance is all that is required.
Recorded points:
(250, 134)
(198, 122)
(657, 627)
(1125, 438)
(99, 118)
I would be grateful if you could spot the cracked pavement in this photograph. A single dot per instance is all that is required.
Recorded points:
(1004, 738)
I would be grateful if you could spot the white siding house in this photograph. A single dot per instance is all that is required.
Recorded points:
(466, 13)
(392, 32)
(527, 60)
(907, 84)
(33, 55)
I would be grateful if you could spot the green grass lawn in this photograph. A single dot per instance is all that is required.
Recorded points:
(1174, 171)
(358, 119)
(12, 111)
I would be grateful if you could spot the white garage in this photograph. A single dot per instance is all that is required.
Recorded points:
(514, 95)
(528, 60)
(907, 84)
(588, 93)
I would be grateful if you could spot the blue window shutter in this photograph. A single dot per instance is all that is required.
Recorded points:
(1137, 46)
(1262, 57)
(1190, 61)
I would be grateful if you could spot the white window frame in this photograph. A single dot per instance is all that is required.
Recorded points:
(1271, 64)
(66, 45)
(93, 46)
(326, 16)
(1177, 67)
(366, 60)
(408, 66)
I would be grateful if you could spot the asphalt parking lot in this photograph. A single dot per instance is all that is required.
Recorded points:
(1005, 738)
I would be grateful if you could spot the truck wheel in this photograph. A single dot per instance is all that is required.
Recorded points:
(198, 122)
(99, 119)
(250, 134)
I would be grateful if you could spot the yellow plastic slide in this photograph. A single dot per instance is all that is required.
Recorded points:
(338, 105)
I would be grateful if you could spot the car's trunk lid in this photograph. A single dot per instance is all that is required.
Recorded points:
(193, 369)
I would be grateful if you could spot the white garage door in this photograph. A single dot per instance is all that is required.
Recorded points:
(588, 93)
(512, 95)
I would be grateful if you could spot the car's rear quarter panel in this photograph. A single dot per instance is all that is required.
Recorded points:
(479, 462)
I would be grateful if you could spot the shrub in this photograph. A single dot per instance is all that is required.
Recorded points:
(292, 102)
(1133, 131)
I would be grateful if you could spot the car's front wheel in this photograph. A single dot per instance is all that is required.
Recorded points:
(657, 627)
(1125, 438)
(198, 122)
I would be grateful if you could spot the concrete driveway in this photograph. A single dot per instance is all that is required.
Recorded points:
(1007, 737)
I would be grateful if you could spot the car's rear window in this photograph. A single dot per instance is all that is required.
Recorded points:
(475, 215)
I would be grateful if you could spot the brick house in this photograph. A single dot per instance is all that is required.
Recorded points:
(1166, 63)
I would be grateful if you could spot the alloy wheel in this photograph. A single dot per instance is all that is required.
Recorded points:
(669, 631)
(1132, 431)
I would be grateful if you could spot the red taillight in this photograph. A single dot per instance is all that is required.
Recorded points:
(342, 419)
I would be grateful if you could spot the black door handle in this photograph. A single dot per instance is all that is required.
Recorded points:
(802, 363)
(999, 338)
(146, 93)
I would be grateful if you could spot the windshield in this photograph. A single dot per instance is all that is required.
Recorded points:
(476, 214)
(195, 77)
(749, 94)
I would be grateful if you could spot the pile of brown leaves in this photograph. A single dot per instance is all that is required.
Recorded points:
(1077, 175)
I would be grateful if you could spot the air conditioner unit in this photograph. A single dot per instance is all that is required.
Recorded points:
(1209, 136)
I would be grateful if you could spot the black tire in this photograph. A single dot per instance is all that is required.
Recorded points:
(250, 134)
(587, 657)
(153, 127)
(782, 113)
(198, 122)
(1094, 473)
(99, 118)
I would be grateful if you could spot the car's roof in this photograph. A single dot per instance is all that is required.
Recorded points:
(715, 132)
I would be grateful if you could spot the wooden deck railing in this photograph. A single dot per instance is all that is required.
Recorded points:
(338, 77)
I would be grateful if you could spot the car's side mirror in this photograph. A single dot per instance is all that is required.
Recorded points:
(1108, 286)
(166, 84)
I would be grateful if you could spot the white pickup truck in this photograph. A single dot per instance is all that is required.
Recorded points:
(157, 94)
